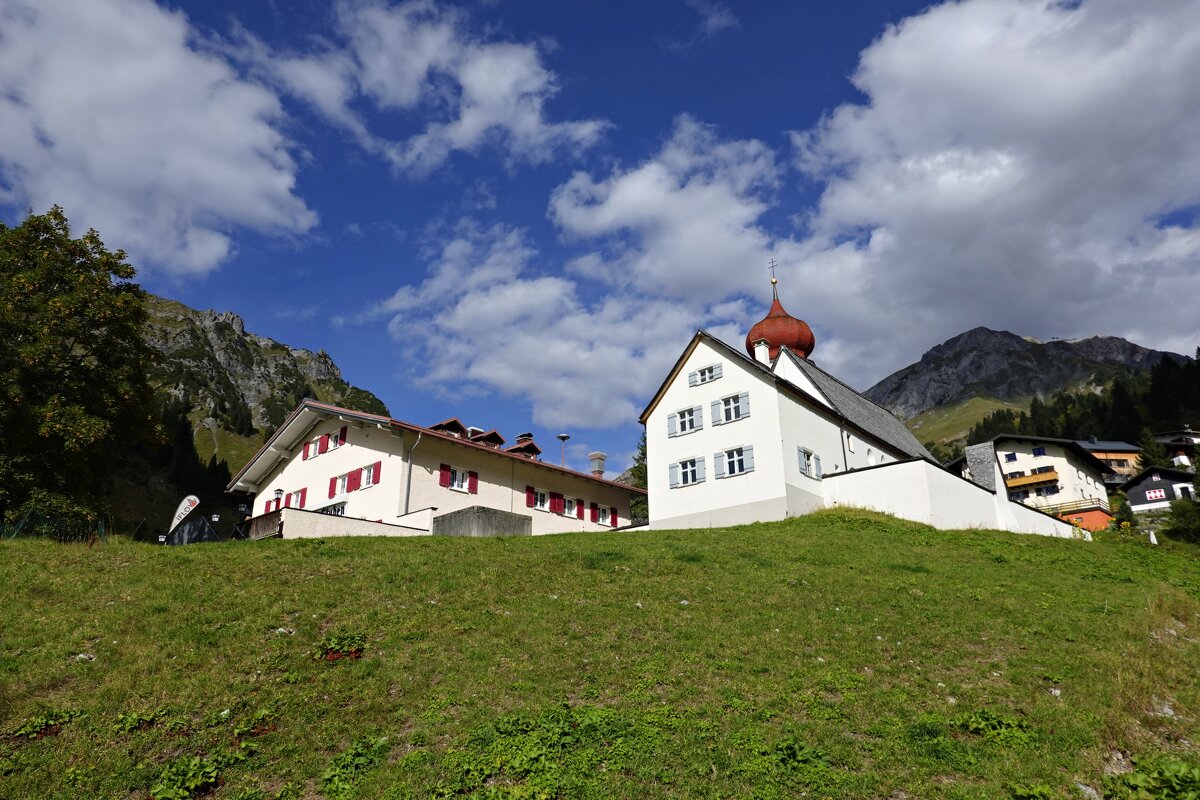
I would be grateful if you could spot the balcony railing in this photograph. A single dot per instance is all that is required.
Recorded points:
(1077, 505)
(1035, 479)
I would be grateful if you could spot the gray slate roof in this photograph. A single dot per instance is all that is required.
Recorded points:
(981, 460)
(1100, 445)
(873, 419)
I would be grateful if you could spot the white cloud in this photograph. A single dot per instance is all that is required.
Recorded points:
(714, 17)
(1011, 166)
(420, 64)
(684, 224)
(109, 109)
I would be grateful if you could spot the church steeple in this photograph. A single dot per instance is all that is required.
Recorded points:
(779, 328)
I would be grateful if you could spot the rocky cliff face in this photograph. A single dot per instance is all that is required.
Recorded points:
(1004, 366)
(238, 385)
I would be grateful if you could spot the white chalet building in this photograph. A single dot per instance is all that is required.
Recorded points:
(732, 439)
(357, 470)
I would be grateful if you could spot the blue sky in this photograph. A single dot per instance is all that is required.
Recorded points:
(518, 212)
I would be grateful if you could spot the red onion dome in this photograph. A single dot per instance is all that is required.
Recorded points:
(780, 328)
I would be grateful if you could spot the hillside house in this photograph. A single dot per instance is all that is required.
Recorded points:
(1180, 445)
(1057, 476)
(1155, 487)
(1121, 458)
(330, 470)
(733, 438)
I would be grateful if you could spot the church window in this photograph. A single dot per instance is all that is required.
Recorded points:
(684, 421)
(704, 375)
(731, 409)
(810, 462)
(687, 472)
(737, 461)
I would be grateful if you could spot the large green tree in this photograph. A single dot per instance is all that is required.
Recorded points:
(73, 387)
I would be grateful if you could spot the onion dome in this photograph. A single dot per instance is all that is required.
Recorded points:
(780, 328)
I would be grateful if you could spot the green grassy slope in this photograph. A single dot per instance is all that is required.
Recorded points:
(843, 654)
(952, 423)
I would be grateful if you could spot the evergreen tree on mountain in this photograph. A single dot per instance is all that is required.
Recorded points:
(73, 366)
(1154, 454)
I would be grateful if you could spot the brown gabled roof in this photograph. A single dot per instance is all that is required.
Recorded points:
(525, 447)
(454, 423)
(375, 419)
(491, 436)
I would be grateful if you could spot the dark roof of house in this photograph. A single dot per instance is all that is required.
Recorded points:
(874, 419)
(854, 409)
(490, 436)
(1102, 446)
(1179, 475)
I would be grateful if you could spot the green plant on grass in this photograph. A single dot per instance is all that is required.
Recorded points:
(340, 645)
(184, 777)
(45, 723)
(259, 723)
(1033, 791)
(134, 720)
(994, 727)
(339, 781)
(1157, 778)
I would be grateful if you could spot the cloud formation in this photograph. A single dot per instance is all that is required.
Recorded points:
(1033, 163)
(422, 62)
(111, 110)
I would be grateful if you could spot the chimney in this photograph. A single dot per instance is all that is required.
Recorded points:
(524, 437)
(597, 458)
(472, 431)
(762, 352)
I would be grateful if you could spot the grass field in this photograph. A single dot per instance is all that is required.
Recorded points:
(842, 655)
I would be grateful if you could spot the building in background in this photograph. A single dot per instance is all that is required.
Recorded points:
(1057, 476)
(1180, 445)
(1156, 487)
(1121, 458)
(733, 438)
(380, 476)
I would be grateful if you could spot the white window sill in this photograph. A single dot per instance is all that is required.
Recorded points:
(735, 474)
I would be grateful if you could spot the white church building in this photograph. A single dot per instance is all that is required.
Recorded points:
(733, 438)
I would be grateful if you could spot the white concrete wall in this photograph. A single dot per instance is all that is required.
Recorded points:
(760, 430)
(299, 524)
(502, 481)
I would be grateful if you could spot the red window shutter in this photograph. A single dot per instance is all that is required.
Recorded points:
(267, 507)
(306, 444)
(303, 496)
(323, 447)
(530, 497)
(595, 513)
(579, 508)
(612, 516)
(444, 478)
(555, 503)
(377, 470)
(276, 505)
(473, 482)
(287, 500)
(342, 436)
(354, 480)
(332, 487)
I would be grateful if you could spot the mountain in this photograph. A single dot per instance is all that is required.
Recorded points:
(961, 380)
(223, 391)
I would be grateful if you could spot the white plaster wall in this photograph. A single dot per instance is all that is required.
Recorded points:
(502, 480)
(786, 369)
(760, 429)
(769, 510)
(299, 524)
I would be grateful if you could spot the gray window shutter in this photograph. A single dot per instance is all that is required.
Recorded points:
(816, 460)
(699, 469)
(719, 464)
(672, 424)
(693, 378)
(698, 417)
(744, 403)
(802, 458)
(716, 371)
(674, 476)
(716, 412)
(748, 455)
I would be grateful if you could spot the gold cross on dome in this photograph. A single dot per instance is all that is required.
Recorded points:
(772, 267)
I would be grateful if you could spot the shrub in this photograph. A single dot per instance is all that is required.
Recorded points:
(1183, 521)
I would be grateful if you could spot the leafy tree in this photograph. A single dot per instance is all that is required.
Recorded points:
(72, 366)
(1124, 514)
